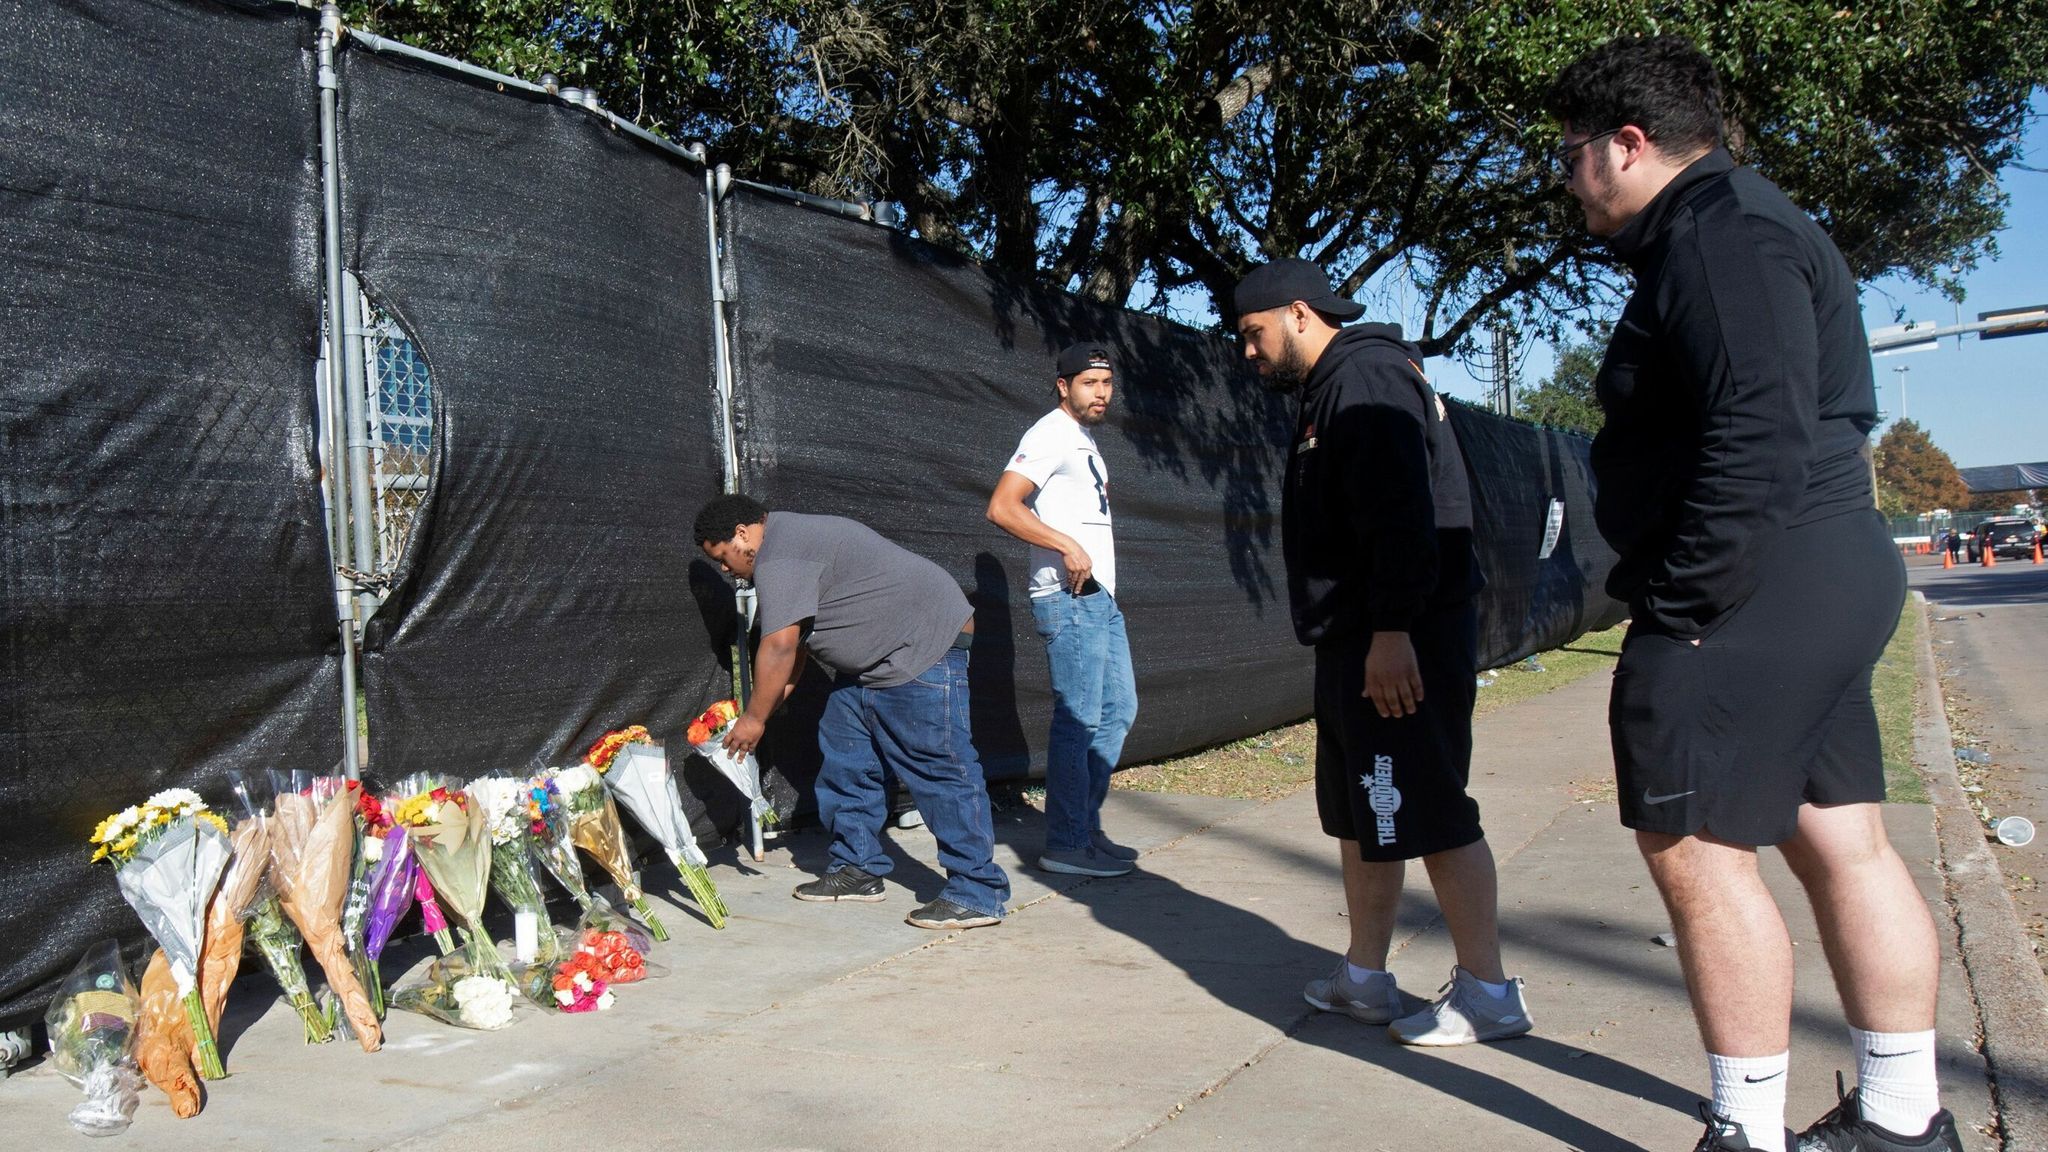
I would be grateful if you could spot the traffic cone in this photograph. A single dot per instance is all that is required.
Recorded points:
(2037, 549)
(1948, 558)
(1987, 554)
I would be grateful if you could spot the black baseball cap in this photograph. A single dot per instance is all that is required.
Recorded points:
(1282, 282)
(1078, 358)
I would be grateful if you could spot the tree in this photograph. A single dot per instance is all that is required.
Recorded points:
(1914, 476)
(1130, 150)
(1565, 398)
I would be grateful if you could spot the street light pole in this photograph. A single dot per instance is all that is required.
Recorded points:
(1902, 370)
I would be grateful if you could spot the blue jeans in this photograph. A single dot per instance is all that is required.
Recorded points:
(919, 730)
(1094, 704)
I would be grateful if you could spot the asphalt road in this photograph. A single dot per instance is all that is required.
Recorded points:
(1991, 643)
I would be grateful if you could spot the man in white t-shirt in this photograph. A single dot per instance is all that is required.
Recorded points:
(1054, 496)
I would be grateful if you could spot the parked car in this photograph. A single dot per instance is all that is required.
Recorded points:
(2007, 537)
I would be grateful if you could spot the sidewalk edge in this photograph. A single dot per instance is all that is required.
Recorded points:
(2006, 981)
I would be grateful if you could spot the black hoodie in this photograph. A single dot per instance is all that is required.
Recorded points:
(1376, 523)
(1738, 394)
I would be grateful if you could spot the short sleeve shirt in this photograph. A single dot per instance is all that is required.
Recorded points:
(879, 611)
(1059, 456)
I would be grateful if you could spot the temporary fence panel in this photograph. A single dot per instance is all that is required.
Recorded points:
(552, 274)
(165, 609)
(886, 380)
(1532, 510)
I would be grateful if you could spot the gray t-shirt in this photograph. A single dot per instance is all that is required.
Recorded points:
(880, 611)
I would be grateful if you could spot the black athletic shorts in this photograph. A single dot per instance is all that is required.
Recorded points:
(1772, 708)
(1398, 786)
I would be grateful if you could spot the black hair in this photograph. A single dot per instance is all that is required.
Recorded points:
(1662, 84)
(720, 519)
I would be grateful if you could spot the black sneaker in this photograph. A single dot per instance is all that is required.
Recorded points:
(1723, 1134)
(1845, 1130)
(942, 915)
(849, 883)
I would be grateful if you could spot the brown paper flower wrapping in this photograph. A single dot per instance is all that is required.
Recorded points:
(163, 1039)
(311, 851)
(221, 958)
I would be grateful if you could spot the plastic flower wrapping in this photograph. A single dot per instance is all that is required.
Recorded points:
(448, 989)
(169, 853)
(594, 826)
(432, 918)
(503, 801)
(92, 1024)
(449, 838)
(705, 735)
(640, 778)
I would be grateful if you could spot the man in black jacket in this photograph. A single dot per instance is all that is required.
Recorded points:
(1376, 526)
(1735, 485)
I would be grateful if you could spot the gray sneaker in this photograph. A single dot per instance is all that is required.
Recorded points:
(1082, 862)
(1110, 848)
(1377, 1001)
(1465, 1013)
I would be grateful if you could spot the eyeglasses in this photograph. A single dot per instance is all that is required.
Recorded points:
(1565, 158)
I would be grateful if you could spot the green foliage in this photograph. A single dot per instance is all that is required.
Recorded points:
(1914, 476)
(1565, 398)
(1133, 149)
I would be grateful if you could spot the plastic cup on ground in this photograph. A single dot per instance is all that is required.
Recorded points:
(2014, 831)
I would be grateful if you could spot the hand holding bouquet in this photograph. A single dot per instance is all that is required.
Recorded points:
(637, 773)
(169, 852)
(706, 735)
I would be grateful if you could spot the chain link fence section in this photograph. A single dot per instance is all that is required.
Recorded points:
(401, 418)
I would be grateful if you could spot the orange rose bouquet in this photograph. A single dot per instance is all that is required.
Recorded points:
(706, 735)
(637, 774)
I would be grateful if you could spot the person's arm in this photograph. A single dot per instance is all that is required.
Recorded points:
(1738, 305)
(1007, 510)
(776, 660)
(1385, 456)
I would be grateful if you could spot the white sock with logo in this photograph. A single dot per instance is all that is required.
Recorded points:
(1750, 1090)
(1895, 1079)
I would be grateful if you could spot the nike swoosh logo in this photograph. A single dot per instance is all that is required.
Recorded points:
(1510, 1020)
(1875, 1054)
(1649, 799)
(1760, 1079)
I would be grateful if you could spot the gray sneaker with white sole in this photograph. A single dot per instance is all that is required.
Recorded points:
(1375, 1001)
(1465, 1013)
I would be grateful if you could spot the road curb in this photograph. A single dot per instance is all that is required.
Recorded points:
(2006, 981)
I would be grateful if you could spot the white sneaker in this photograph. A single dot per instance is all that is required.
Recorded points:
(1376, 1001)
(1465, 1013)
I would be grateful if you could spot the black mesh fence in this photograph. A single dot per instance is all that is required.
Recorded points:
(553, 273)
(164, 609)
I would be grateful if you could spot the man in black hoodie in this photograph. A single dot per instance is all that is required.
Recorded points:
(1735, 485)
(1376, 527)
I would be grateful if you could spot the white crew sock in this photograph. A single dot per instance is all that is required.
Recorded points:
(1359, 975)
(1895, 1079)
(1497, 991)
(1750, 1090)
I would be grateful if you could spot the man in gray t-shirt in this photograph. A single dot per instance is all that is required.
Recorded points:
(895, 630)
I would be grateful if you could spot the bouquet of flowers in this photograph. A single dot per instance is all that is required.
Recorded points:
(268, 931)
(580, 986)
(169, 853)
(92, 1040)
(637, 773)
(221, 955)
(706, 735)
(503, 799)
(450, 991)
(619, 958)
(446, 829)
(312, 837)
(432, 918)
(593, 822)
(394, 881)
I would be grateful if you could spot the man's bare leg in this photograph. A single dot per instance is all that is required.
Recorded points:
(1468, 892)
(1372, 894)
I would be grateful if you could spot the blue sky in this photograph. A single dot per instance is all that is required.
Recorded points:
(1985, 402)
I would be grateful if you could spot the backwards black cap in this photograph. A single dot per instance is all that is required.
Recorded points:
(1078, 358)
(1282, 282)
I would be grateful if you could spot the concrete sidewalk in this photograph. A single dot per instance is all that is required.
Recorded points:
(1161, 1010)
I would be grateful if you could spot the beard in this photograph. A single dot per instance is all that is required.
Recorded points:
(1287, 369)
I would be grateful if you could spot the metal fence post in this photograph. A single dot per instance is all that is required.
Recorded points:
(362, 510)
(341, 429)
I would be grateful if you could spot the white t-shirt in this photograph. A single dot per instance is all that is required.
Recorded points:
(1059, 456)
